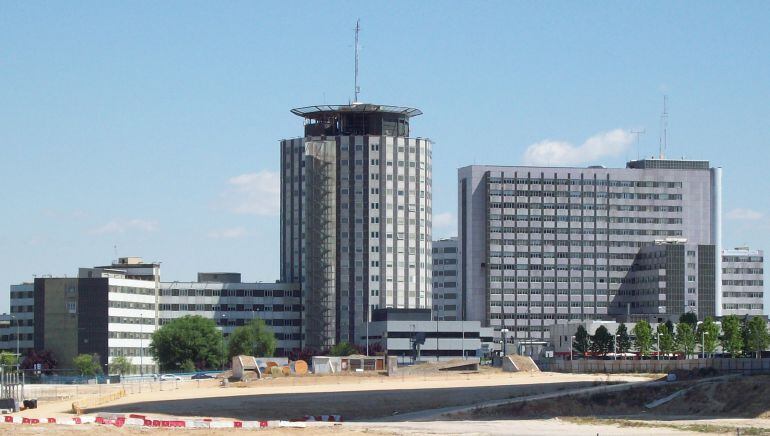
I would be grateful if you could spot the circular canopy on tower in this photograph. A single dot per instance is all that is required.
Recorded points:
(322, 111)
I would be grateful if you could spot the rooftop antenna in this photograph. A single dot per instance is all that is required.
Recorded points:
(638, 133)
(663, 129)
(356, 88)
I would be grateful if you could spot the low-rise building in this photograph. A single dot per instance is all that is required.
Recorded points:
(401, 331)
(113, 310)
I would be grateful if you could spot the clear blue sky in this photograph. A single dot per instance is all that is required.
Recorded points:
(154, 126)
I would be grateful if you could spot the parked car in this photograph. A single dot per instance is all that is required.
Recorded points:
(201, 376)
(170, 377)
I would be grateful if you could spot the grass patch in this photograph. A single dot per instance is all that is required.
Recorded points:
(701, 428)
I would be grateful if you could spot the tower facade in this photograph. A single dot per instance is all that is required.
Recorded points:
(355, 217)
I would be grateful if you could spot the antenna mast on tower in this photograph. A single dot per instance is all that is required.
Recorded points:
(638, 133)
(663, 129)
(356, 88)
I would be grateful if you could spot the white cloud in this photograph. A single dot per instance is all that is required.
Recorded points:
(254, 193)
(123, 226)
(599, 146)
(745, 214)
(444, 224)
(446, 219)
(229, 233)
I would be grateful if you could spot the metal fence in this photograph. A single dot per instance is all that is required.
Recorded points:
(738, 366)
(11, 385)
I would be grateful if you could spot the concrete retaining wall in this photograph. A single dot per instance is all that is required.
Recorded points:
(744, 366)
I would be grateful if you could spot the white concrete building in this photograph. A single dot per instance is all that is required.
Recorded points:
(541, 245)
(355, 217)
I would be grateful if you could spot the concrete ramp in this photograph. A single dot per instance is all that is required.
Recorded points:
(516, 363)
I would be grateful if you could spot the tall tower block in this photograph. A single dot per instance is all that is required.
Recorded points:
(355, 217)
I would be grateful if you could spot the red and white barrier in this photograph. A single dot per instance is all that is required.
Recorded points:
(134, 420)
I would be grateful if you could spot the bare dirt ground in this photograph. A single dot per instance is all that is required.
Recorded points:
(353, 397)
(711, 406)
(369, 400)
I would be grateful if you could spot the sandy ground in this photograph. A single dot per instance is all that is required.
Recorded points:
(355, 398)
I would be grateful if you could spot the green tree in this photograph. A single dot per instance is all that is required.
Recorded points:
(689, 318)
(581, 343)
(87, 364)
(343, 349)
(642, 332)
(252, 339)
(746, 351)
(624, 341)
(758, 338)
(732, 339)
(708, 332)
(685, 338)
(665, 339)
(121, 365)
(7, 359)
(188, 340)
(601, 341)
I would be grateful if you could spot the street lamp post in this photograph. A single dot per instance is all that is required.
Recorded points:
(368, 307)
(658, 336)
(224, 318)
(615, 347)
(141, 345)
(505, 341)
(703, 344)
(571, 339)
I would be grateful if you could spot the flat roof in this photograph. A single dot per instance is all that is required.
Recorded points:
(320, 110)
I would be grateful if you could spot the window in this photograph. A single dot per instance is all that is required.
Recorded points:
(72, 307)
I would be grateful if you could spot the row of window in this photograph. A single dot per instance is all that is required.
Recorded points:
(444, 284)
(733, 306)
(130, 335)
(12, 337)
(585, 206)
(743, 294)
(743, 282)
(585, 182)
(589, 231)
(585, 194)
(551, 303)
(558, 255)
(230, 293)
(585, 219)
(743, 270)
(124, 305)
(551, 279)
(569, 243)
(22, 294)
(132, 290)
(232, 307)
(522, 292)
(742, 259)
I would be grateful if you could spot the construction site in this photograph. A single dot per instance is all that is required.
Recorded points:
(353, 395)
